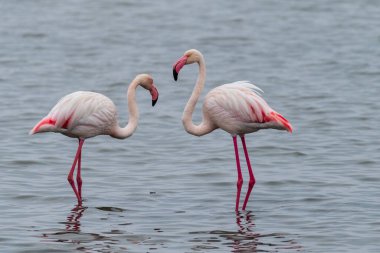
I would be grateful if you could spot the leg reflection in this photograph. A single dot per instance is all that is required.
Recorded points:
(247, 224)
(73, 219)
(245, 239)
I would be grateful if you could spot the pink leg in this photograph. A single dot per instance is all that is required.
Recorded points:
(70, 176)
(79, 178)
(252, 180)
(240, 177)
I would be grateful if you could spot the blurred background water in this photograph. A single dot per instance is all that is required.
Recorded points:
(163, 190)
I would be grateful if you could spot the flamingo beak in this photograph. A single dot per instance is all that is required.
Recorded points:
(178, 66)
(154, 93)
(154, 102)
(175, 74)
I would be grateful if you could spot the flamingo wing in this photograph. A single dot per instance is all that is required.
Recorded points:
(77, 112)
(243, 102)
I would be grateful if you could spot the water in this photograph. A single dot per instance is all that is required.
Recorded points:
(163, 190)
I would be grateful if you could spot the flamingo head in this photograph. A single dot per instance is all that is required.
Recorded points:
(189, 57)
(146, 81)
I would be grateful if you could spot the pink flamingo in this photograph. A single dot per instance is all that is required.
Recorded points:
(85, 114)
(237, 108)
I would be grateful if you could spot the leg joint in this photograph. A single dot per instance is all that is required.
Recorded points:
(239, 183)
(70, 179)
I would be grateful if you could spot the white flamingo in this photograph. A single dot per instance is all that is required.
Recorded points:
(85, 114)
(238, 108)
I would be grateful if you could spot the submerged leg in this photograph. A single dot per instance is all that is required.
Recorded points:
(252, 180)
(70, 176)
(240, 177)
(79, 177)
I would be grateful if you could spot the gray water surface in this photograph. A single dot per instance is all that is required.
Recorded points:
(163, 190)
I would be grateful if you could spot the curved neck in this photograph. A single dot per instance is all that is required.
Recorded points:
(203, 127)
(129, 129)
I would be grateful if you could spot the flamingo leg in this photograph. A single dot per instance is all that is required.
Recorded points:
(79, 177)
(70, 176)
(240, 177)
(252, 179)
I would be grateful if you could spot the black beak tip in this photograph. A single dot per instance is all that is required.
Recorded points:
(154, 102)
(175, 75)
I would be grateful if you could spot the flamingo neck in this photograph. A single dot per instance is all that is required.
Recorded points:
(129, 129)
(190, 127)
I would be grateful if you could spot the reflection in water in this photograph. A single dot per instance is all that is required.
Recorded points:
(247, 219)
(73, 219)
(72, 230)
(244, 233)
(116, 238)
(245, 239)
(113, 240)
(249, 241)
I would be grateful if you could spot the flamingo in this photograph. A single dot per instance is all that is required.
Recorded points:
(85, 114)
(237, 108)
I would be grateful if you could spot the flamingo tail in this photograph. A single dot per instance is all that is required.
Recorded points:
(45, 125)
(284, 122)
